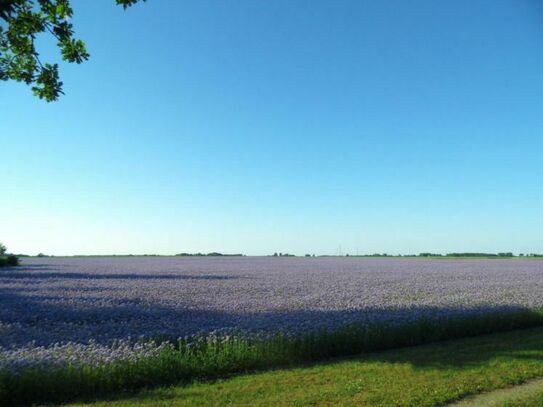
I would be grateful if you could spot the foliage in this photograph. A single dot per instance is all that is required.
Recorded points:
(212, 254)
(20, 23)
(508, 254)
(284, 255)
(7, 260)
(215, 357)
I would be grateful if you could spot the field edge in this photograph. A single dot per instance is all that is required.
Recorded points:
(212, 358)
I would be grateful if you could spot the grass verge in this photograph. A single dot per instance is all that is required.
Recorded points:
(527, 394)
(211, 359)
(428, 375)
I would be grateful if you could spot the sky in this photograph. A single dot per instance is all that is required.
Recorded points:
(300, 126)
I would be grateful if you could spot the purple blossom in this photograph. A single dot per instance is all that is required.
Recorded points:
(95, 310)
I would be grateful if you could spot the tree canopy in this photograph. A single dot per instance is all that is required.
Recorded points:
(20, 22)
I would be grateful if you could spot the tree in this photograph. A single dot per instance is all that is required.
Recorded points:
(7, 260)
(20, 22)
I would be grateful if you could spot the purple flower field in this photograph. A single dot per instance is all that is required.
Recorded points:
(73, 310)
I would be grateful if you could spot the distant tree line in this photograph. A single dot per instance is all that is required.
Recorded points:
(423, 254)
(508, 254)
(10, 259)
(212, 254)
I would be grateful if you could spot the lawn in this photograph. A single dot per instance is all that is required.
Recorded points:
(426, 375)
(525, 395)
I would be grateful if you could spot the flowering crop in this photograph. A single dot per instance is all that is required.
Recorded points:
(72, 311)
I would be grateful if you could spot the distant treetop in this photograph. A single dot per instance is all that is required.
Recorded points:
(212, 254)
(508, 254)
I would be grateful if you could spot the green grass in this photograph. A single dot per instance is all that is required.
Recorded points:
(528, 394)
(211, 359)
(530, 400)
(427, 375)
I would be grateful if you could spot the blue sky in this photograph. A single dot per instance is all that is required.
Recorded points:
(296, 126)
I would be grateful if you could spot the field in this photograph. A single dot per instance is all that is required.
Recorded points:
(85, 313)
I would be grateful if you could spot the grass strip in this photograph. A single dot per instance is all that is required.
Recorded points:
(526, 394)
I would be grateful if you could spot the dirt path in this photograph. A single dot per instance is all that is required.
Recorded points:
(529, 390)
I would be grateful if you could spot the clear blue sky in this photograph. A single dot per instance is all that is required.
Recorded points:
(296, 126)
